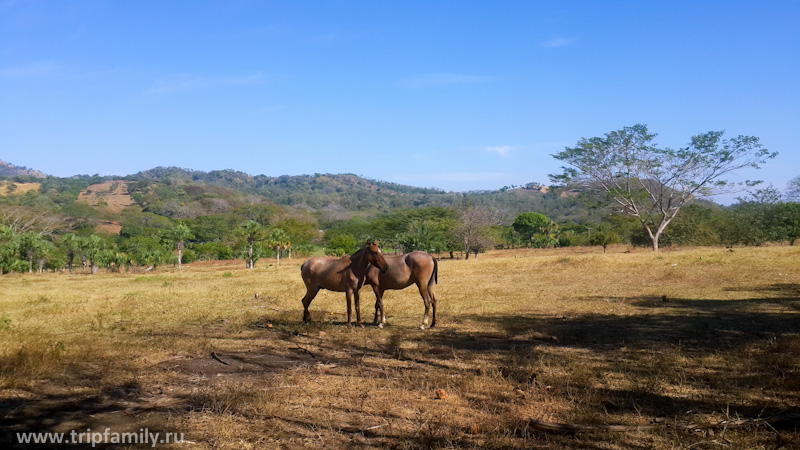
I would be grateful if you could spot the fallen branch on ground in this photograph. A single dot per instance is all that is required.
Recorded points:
(214, 355)
(573, 428)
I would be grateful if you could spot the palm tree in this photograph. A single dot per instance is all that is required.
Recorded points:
(278, 240)
(71, 244)
(252, 232)
(32, 245)
(178, 235)
(45, 254)
(114, 260)
(91, 250)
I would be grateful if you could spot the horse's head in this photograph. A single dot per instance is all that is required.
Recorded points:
(375, 256)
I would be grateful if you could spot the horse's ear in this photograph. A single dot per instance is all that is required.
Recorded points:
(376, 242)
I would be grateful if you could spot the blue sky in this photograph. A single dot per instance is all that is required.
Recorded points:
(458, 95)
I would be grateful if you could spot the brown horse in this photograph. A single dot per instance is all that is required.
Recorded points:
(345, 274)
(418, 268)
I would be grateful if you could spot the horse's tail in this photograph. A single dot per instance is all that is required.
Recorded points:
(435, 274)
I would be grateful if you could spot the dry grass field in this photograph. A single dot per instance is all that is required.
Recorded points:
(18, 188)
(700, 347)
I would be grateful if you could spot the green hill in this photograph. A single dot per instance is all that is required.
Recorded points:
(331, 196)
(144, 204)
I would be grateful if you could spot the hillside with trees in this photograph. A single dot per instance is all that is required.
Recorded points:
(169, 215)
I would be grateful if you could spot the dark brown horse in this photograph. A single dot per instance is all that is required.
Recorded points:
(418, 268)
(345, 274)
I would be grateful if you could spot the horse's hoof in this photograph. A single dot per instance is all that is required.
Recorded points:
(422, 327)
(361, 325)
(380, 325)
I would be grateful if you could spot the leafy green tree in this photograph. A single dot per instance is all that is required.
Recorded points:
(213, 250)
(735, 228)
(696, 224)
(300, 232)
(261, 214)
(793, 190)
(604, 238)
(422, 236)
(651, 183)
(787, 218)
(9, 250)
(214, 227)
(177, 236)
(339, 244)
(572, 234)
(531, 223)
(56, 259)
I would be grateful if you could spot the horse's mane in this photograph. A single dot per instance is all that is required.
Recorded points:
(356, 258)
(357, 252)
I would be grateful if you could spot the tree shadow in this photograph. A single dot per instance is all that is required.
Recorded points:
(75, 416)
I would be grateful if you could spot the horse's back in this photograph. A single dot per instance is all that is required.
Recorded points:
(404, 270)
(327, 273)
(420, 259)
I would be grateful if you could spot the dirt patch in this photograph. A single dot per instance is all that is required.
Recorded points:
(112, 195)
(109, 227)
(238, 363)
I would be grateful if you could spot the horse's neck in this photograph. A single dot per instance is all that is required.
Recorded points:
(359, 263)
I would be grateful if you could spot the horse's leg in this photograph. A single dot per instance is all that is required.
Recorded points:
(349, 294)
(379, 307)
(423, 291)
(433, 303)
(311, 292)
(377, 303)
(383, 315)
(358, 307)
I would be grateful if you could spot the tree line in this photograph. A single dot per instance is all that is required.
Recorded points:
(147, 241)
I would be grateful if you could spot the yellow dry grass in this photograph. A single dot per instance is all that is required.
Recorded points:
(19, 188)
(691, 340)
(113, 195)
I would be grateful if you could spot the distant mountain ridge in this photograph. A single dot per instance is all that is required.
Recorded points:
(334, 196)
(180, 193)
(10, 170)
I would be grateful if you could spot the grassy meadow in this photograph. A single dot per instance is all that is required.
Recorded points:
(700, 345)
